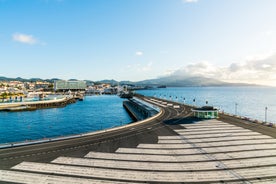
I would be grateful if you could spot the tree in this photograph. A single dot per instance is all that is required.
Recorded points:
(4, 96)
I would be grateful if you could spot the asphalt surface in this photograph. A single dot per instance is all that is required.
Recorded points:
(104, 142)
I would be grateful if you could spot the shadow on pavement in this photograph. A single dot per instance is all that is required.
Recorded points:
(177, 121)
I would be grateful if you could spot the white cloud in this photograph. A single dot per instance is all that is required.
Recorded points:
(24, 38)
(169, 72)
(139, 53)
(259, 71)
(189, 1)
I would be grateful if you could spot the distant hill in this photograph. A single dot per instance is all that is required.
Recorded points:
(178, 81)
(169, 81)
(112, 81)
(26, 80)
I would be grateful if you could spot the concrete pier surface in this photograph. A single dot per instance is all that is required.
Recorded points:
(171, 147)
(32, 105)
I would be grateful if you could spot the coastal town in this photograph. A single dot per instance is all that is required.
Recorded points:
(16, 90)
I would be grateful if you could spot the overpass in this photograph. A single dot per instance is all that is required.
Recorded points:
(170, 147)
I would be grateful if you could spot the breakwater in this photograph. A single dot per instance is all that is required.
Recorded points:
(23, 106)
(139, 109)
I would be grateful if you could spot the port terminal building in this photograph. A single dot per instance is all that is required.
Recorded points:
(64, 85)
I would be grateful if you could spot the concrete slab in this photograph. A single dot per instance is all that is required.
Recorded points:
(150, 158)
(196, 150)
(240, 148)
(184, 132)
(211, 129)
(155, 166)
(215, 139)
(251, 162)
(245, 154)
(182, 158)
(135, 165)
(150, 176)
(169, 137)
(234, 134)
(187, 151)
(31, 178)
(207, 126)
(183, 144)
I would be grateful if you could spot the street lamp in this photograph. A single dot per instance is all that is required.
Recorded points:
(265, 114)
(236, 106)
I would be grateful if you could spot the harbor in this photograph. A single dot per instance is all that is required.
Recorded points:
(172, 146)
(132, 92)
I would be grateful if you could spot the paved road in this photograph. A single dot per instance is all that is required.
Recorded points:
(107, 142)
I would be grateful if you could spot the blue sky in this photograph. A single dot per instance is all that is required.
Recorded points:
(233, 40)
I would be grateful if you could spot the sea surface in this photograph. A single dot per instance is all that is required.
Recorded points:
(94, 113)
(245, 101)
(101, 112)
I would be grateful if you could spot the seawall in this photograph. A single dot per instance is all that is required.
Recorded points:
(138, 110)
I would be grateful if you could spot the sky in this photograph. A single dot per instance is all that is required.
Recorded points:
(230, 40)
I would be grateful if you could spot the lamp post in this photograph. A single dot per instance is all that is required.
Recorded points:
(236, 106)
(265, 114)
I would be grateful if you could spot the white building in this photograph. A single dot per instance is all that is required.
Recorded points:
(60, 85)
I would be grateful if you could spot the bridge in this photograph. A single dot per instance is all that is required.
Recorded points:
(170, 147)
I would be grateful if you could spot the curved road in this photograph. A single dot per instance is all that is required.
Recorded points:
(109, 141)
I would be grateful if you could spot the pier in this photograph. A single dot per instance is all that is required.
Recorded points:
(169, 147)
(33, 105)
(139, 110)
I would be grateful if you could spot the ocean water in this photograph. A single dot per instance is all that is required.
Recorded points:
(101, 112)
(251, 101)
(94, 113)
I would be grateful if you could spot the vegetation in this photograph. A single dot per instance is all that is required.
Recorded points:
(4, 96)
